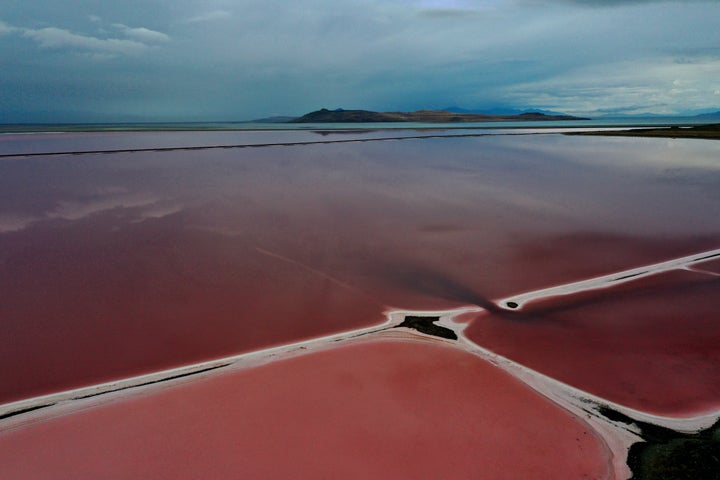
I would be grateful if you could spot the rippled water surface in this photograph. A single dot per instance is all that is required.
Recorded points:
(124, 263)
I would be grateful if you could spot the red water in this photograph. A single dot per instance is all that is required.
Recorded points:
(382, 410)
(711, 266)
(114, 265)
(650, 344)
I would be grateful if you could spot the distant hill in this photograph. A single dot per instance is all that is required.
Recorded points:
(709, 115)
(423, 116)
(501, 111)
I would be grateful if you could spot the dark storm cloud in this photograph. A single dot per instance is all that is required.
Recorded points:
(219, 59)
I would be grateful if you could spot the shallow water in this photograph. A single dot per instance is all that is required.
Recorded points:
(118, 264)
(382, 409)
(78, 142)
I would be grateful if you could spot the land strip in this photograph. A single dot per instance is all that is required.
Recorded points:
(711, 132)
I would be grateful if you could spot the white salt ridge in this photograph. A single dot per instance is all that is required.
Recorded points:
(618, 437)
(684, 263)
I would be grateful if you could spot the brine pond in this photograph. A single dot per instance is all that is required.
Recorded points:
(140, 255)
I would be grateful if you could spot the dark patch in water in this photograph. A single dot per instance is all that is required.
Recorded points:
(666, 454)
(427, 326)
(426, 281)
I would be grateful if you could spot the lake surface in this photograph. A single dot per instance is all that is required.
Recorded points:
(354, 412)
(125, 263)
(59, 143)
(115, 264)
(268, 267)
(245, 126)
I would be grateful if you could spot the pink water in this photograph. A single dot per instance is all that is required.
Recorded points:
(115, 265)
(383, 409)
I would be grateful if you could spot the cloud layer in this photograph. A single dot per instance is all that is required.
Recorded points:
(58, 38)
(222, 60)
(133, 40)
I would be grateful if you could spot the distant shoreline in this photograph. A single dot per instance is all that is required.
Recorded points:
(264, 126)
(640, 127)
(711, 132)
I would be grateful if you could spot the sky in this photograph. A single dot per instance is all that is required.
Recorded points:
(233, 60)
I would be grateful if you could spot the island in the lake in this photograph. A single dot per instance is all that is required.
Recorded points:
(425, 116)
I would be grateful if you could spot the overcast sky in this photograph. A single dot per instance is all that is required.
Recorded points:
(192, 60)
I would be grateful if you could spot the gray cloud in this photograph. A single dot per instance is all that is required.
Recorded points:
(450, 13)
(137, 39)
(7, 29)
(209, 16)
(142, 34)
(231, 60)
(614, 3)
(52, 37)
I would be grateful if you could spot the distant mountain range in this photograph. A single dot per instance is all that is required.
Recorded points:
(450, 114)
(424, 116)
(709, 115)
(501, 111)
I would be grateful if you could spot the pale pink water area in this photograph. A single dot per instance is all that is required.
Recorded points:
(382, 410)
(79, 142)
(91, 141)
(119, 264)
(54, 142)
